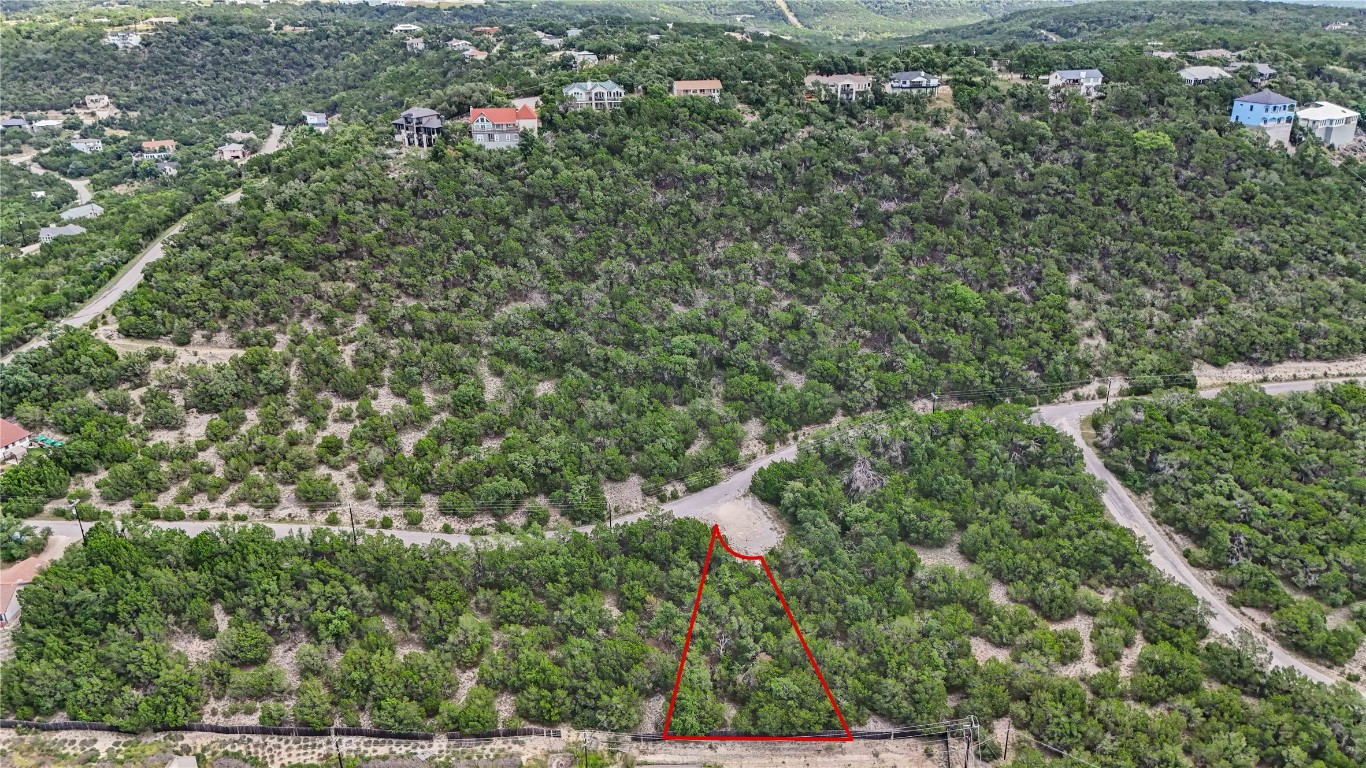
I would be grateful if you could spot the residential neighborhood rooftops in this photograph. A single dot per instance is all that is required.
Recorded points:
(1266, 97)
(1326, 110)
(525, 112)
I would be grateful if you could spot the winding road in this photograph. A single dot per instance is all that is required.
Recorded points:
(1065, 417)
(128, 279)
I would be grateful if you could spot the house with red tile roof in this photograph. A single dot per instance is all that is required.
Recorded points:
(501, 127)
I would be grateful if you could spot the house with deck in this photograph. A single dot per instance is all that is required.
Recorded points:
(87, 145)
(418, 127)
(600, 95)
(913, 81)
(842, 87)
(1085, 80)
(501, 127)
(1201, 74)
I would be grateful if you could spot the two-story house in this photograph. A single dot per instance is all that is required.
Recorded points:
(231, 152)
(87, 145)
(501, 127)
(914, 80)
(708, 88)
(1087, 80)
(1335, 125)
(415, 44)
(123, 39)
(842, 87)
(1266, 110)
(316, 120)
(459, 45)
(418, 127)
(405, 29)
(602, 95)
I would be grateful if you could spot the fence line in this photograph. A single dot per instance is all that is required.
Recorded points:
(285, 730)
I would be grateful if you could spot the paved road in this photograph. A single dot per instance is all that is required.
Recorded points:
(1166, 554)
(129, 279)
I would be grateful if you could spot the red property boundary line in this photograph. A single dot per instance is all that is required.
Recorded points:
(697, 603)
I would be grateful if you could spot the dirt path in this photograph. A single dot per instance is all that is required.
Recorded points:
(791, 17)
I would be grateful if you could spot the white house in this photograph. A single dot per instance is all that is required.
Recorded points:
(87, 211)
(474, 54)
(501, 127)
(405, 29)
(601, 95)
(1198, 75)
(48, 234)
(123, 39)
(460, 45)
(1335, 125)
(1085, 79)
(37, 194)
(316, 120)
(46, 125)
(914, 80)
(87, 145)
(844, 87)
(415, 44)
(13, 437)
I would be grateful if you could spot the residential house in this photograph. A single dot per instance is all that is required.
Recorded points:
(168, 167)
(123, 39)
(490, 31)
(13, 438)
(601, 95)
(37, 194)
(573, 32)
(418, 127)
(1335, 125)
(405, 29)
(1334, 26)
(583, 58)
(550, 41)
(497, 127)
(1259, 73)
(460, 45)
(1161, 54)
(87, 145)
(160, 148)
(652, 38)
(233, 151)
(1085, 79)
(97, 101)
(48, 234)
(87, 211)
(474, 54)
(13, 122)
(45, 125)
(915, 80)
(1266, 110)
(415, 45)
(1200, 74)
(843, 87)
(1213, 53)
(316, 120)
(708, 88)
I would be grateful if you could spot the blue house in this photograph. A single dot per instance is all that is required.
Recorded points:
(1263, 108)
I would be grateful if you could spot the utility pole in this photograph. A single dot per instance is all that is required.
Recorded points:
(352, 515)
(71, 504)
(336, 744)
(1109, 383)
(1010, 726)
(934, 399)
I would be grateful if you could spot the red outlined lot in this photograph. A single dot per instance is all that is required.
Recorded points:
(678, 681)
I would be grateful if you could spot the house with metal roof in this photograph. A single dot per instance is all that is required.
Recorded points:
(48, 234)
(1199, 74)
(1085, 79)
(842, 87)
(87, 211)
(914, 80)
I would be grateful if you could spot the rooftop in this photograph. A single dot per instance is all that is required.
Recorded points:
(10, 432)
(1325, 110)
(1266, 97)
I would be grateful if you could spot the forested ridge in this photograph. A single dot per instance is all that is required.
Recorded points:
(1270, 489)
(586, 629)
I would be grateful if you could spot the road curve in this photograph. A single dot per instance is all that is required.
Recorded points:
(129, 279)
(1165, 554)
